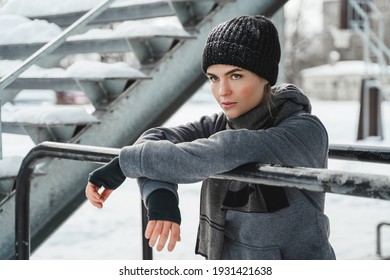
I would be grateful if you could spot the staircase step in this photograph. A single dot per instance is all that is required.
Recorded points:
(119, 11)
(99, 81)
(115, 13)
(106, 42)
(9, 168)
(47, 123)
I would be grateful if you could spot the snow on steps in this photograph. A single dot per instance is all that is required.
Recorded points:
(9, 168)
(48, 123)
(158, 34)
(64, 13)
(99, 81)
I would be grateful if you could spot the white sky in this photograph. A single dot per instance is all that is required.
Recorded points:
(311, 14)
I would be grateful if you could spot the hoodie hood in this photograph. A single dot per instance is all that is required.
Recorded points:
(286, 100)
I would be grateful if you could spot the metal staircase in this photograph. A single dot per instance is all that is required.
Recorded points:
(124, 106)
(364, 18)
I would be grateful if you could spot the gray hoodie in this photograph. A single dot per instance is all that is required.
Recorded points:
(240, 220)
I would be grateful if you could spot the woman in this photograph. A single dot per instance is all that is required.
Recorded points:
(258, 124)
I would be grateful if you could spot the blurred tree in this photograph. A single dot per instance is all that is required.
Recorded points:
(303, 45)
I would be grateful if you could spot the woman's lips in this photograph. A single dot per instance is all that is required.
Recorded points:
(228, 105)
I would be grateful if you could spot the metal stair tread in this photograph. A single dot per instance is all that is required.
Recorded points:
(9, 168)
(47, 123)
(104, 45)
(120, 12)
(114, 13)
(50, 116)
(61, 83)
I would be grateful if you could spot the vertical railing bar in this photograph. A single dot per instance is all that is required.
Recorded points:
(147, 252)
(1, 136)
(53, 44)
(378, 239)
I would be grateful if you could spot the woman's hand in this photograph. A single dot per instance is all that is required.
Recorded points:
(161, 230)
(95, 197)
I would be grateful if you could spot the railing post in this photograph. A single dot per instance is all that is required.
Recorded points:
(378, 239)
(147, 251)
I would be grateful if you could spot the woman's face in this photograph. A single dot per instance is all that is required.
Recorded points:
(236, 90)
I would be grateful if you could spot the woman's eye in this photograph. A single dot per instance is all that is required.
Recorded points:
(213, 78)
(236, 76)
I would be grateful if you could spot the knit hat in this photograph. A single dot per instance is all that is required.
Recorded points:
(249, 42)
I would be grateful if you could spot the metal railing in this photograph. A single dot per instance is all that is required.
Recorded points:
(320, 180)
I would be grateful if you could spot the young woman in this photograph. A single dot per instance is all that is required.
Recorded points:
(258, 124)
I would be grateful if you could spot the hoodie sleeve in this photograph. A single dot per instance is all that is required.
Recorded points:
(300, 140)
(203, 128)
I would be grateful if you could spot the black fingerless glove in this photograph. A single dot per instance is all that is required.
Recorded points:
(163, 205)
(109, 176)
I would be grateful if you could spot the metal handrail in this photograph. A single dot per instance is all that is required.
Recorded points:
(22, 187)
(360, 153)
(320, 180)
(54, 43)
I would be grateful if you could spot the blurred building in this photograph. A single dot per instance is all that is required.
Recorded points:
(340, 78)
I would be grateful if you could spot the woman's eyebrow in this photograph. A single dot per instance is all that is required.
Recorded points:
(227, 73)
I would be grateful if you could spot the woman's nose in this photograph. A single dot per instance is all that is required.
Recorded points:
(224, 88)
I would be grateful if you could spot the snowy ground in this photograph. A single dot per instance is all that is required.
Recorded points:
(114, 232)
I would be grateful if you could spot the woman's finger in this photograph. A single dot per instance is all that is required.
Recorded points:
(164, 235)
(149, 229)
(174, 237)
(156, 233)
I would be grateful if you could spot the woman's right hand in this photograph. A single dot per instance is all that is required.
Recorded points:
(95, 197)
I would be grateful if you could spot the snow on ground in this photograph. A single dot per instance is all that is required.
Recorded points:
(114, 232)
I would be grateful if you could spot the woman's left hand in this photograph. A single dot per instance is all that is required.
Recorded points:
(161, 230)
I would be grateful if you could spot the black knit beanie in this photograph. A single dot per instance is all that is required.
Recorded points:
(249, 42)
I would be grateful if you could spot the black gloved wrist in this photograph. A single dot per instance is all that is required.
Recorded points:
(109, 176)
(163, 205)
